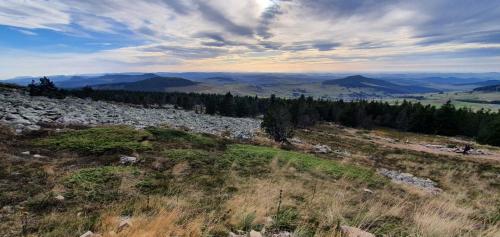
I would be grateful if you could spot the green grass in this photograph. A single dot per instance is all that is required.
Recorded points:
(177, 136)
(249, 155)
(98, 140)
(95, 184)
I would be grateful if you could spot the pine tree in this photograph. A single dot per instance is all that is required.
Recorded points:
(277, 122)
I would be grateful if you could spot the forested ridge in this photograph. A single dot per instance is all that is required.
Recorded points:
(483, 125)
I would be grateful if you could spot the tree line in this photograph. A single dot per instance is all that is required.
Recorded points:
(282, 115)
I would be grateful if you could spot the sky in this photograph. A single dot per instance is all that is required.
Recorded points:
(55, 37)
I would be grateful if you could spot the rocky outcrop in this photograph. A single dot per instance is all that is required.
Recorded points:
(407, 178)
(25, 113)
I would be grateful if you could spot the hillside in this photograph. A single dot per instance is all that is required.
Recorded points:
(490, 88)
(150, 84)
(362, 82)
(122, 172)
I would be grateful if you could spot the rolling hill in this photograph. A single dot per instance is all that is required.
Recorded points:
(491, 88)
(362, 82)
(150, 84)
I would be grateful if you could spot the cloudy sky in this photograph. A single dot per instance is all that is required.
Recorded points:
(46, 37)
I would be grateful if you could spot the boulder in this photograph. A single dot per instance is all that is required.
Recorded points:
(59, 197)
(322, 149)
(348, 231)
(124, 224)
(90, 234)
(254, 233)
(128, 160)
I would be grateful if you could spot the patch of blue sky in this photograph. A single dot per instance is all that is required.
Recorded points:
(75, 40)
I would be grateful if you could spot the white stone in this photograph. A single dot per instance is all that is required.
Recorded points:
(126, 160)
(349, 231)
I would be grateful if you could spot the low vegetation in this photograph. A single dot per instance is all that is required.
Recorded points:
(187, 184)
(98, 140)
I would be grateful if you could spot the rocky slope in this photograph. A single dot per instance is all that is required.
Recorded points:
(25, 113)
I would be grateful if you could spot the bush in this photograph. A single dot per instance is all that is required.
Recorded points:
(45, 88)
(99, 140)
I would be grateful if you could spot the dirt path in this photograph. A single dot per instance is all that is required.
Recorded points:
(419, 146)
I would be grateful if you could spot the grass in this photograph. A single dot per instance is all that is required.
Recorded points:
(98, 140)
(99, 184)
(255, 156)
(181, 137)
(204, 189)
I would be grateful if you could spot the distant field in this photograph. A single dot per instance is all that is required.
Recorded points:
(473, 100)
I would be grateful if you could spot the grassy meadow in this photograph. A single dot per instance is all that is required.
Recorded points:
(189, 184)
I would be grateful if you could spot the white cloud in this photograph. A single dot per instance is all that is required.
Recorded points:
(188, 33)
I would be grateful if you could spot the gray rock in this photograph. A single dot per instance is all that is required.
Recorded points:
(23, 112)
(322, 149)
(406, 178)
(128, 160)
(124, 224)
(26, 153)
(349, 231)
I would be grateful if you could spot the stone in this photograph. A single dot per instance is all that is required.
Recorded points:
(128, 160)
(322, 149)
(22, 113)
(407, 178)
(348, 231)
(90, 234)
(282, 234)
(26, 153)
(124, 224)
(37, 156)
(254, 233)
(59, 197)
(8, 209)
(367, 190)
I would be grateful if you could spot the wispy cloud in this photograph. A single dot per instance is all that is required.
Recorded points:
(187, 34)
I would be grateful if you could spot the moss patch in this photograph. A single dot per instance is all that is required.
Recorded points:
(95, 184)
(256, 156)
(177, 136)
(98, 140)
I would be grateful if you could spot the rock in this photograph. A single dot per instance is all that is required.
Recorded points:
(22, 113)
(367, 190)
(128, 160)
(322, 149)
(59, 197)
(407, 178)
(348, 231)
(90, 234)
(8, 209)
(26, 153)
(124, 224)
(282, 234)
(254, 233)
(231, 234)
(37, 156)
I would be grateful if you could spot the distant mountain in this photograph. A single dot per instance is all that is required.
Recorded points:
(482, 83)
(491, 88)
(222, 80)
(151, 84)
(79, 81)
(362, 82)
